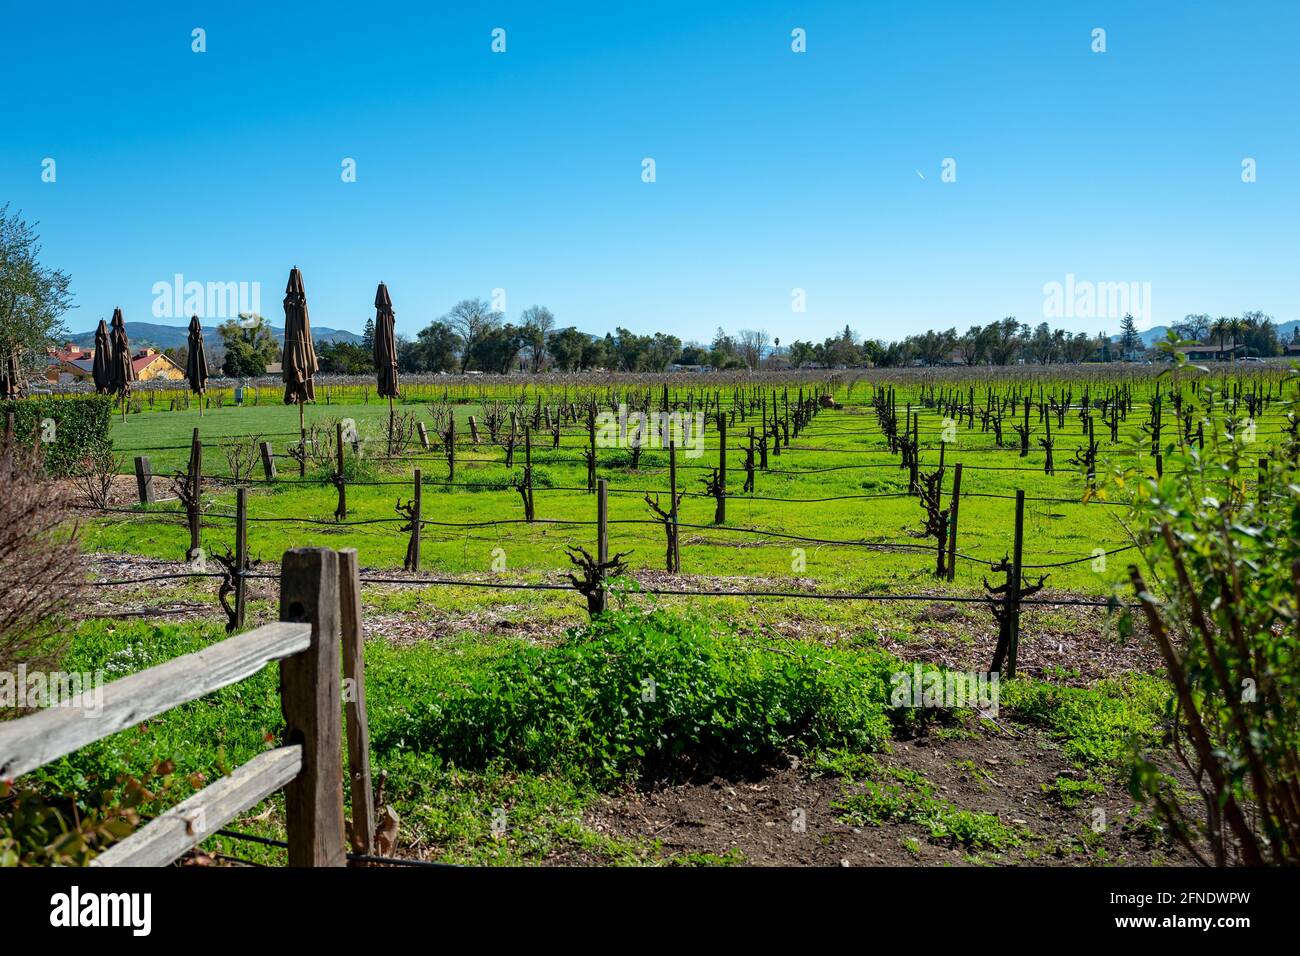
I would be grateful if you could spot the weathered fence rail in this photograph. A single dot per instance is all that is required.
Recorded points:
(319, 617)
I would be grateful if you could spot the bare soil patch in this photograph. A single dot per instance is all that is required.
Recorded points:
(753, 820)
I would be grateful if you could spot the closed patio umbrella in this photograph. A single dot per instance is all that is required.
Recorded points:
(123, 371)
(196, 362)
(385, 344)
(385, 352)
(102, 367)
(299, 363)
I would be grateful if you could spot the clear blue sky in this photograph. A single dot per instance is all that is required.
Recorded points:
(775, 170)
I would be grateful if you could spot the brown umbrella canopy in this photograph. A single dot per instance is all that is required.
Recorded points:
(102, 368)
(123, 372)
(385, 344)
(196, 364)
(299, 362)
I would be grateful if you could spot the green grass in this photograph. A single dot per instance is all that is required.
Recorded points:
(1098, 726)
(492, 747)
(478, 726)
(1054, 531)
(904, 796)
(473, 729)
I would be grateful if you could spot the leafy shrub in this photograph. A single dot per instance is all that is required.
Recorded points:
(80, 427)
(38, 831)
(1226, 565)
(639, 690)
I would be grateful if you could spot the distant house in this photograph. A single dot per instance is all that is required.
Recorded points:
(1211, 353)
(151, 365)
(73, 364)
(675, 367)
(1293, 350)
(65, 371)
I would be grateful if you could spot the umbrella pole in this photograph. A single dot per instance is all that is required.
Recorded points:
(302, 440)
(390, 424)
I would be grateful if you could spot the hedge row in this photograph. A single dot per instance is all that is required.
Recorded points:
(81, 426)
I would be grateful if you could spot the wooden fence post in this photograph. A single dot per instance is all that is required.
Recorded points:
(952, 521)
(309, 697)
(602, 537)
(424, 435)
(354, 702)
(268, 461)
(241, 553)
(1014, 591)
(144, 479)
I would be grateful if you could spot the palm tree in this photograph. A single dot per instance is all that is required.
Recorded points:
(1235, 328)
(1219, 331)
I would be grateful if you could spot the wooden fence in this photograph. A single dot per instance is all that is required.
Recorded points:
(319, 622)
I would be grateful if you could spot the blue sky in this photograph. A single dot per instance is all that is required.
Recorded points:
(774, 170)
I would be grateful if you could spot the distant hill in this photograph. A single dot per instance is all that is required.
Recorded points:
(174, 336)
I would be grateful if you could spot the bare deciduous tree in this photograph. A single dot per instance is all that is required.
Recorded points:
(751, 344)
(40, 572)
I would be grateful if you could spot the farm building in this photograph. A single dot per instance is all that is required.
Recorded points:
(1211, 353)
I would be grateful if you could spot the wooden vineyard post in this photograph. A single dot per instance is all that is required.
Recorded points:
(952, 521)
(749, 464)
(416, 517)
(424, 435)
(672, 499)
(915, 478)
(473, 430)
(451, 448)
(1014, 592)
(776, 428)
(354, 702)
(196, 492)
(309, 697)
(268, 461)
(591, 449)
(721, 516)
(602, 539)
(241, 553)
(1263, 478)
(528, 473)
(144, 479)
(341, 511)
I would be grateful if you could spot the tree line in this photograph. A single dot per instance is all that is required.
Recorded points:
(473, 338)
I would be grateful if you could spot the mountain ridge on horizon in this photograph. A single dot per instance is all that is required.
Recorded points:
(162, 336)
